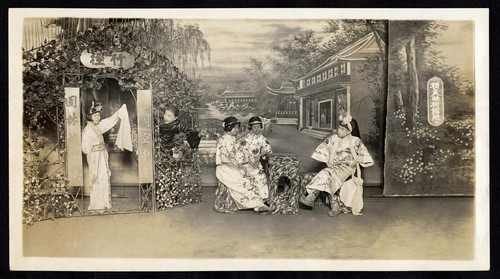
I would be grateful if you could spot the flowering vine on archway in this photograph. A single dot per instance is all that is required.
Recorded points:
(56, 65)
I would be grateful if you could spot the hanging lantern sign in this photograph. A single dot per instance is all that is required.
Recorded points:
(113, 60)
(435, 101)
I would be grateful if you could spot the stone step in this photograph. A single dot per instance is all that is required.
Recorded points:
(319, 134)
(373, 191)
(286, 121)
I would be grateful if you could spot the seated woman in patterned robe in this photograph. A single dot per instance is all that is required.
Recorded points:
(336, 152)
(230, 171)
(256, 148)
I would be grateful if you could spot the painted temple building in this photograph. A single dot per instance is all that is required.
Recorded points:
(340, 84)
(237, 97)
(286, 105)
(336, 85)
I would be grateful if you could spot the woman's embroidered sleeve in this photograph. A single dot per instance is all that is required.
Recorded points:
(364, 158)
(322, 152)
(266, 147)
(225, 151)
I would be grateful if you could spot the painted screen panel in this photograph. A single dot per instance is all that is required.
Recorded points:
(430, 138)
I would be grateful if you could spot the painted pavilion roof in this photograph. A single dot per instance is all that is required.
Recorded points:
(356, 51)
(285, 88)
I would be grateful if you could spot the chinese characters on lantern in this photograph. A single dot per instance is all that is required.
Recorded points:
(435, 101)
(114, 60)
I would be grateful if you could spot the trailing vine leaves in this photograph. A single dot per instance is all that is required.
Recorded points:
(56, 65)
(46, 193)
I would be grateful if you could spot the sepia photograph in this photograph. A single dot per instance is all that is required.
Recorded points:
(248, 139)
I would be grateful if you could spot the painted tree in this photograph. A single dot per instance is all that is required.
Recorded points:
(260, 76)
(291, 58)
(183, 44)
(421, 158)
(297, 55)
(411, 40)
(342, 32)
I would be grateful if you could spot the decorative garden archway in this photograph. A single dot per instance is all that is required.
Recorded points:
(54, 76)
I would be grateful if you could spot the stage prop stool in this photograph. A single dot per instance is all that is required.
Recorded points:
(284, 165)
(224, 203)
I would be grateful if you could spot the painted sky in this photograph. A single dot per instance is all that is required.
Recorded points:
(233, 42)
(457, 44)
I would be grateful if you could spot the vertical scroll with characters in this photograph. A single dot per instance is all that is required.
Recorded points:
(74, 167)
(145, 136)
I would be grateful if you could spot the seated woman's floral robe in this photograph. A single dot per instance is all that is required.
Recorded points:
(341, 164)
(253, 147)
(227, 158)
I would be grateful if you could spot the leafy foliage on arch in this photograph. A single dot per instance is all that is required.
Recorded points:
(56, 65)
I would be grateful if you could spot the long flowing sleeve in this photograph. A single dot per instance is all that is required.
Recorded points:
(322, 152)
(124, 138)
(107, 123)
(86, 141)
(363, 156)
(193, 139)
(224, 150)
(191, 136)
(170, 130)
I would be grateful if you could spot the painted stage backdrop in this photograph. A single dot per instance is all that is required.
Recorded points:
(430, 109)
(409, 84)
(301, 81)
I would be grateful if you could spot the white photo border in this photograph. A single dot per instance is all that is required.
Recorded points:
(481, 261)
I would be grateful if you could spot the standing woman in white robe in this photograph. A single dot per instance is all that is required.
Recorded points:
(94, 148)
(341, 163)
(230, 171)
